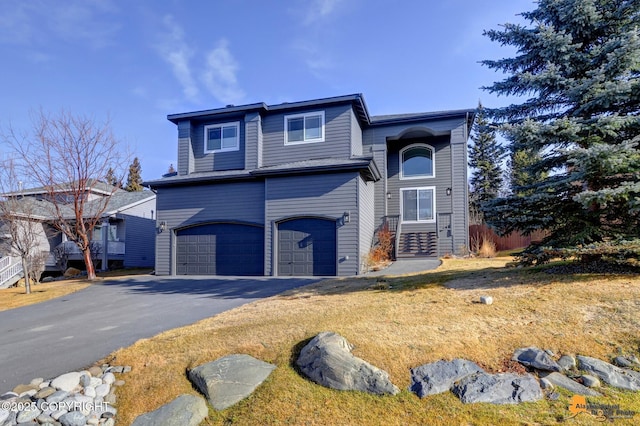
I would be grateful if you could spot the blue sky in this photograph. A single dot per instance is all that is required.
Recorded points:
(137, 61)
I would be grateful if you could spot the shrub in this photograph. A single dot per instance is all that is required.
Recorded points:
(482, 245)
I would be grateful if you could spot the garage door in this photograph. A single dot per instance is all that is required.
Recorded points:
(307, 247)
(220, 249)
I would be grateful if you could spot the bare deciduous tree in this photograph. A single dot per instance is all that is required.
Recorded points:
(67, 155)
(19, 222)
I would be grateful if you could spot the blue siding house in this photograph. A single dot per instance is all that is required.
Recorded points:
(300, 189)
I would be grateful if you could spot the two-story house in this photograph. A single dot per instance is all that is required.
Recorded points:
(301, 188)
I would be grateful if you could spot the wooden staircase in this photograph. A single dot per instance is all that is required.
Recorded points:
(417, 244)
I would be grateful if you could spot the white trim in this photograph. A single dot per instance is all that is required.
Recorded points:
(235, 124)
(304, 139)
(433, 204)
(433, 162)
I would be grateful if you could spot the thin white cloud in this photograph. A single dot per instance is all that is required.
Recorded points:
(220, 75)
(38, 23)
(175, 50)
(319, 10)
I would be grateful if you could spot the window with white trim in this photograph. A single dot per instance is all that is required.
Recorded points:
(304, 128)
(418, 204)
(222, 137)
(416, 162)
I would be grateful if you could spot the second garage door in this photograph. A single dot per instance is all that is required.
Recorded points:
(220, 249)
(307, 247)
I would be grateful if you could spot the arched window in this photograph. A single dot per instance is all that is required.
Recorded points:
(416, 161)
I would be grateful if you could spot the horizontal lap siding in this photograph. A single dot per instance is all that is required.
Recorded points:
(356, 135)
(366, 219)
(253, 139)
(336, 142)
(139, 234)
(181, 206)
(329, 195)
(230, 160)
(185, 149)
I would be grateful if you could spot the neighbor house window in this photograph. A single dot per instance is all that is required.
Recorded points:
(304, 128)
(418, 204)
(222, 137)
(416, 161)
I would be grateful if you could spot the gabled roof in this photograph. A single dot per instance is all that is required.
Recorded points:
(92, 185)
(382, 120)
(31, 207)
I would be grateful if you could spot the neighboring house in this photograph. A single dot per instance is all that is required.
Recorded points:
(301, 188)
(125, 237)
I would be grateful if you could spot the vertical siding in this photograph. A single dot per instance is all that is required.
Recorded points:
(140, 243)
(336, 139)
(229, 160)
(366, 220)
(181, 206)
(356, 134)
(459, 189)
(253, 130)
(185, 149)
(328, 195)
(375, 144)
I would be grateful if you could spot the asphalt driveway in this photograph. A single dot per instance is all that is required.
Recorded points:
(74, 331)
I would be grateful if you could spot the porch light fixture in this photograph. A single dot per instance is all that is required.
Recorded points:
(448, 191)
(162, 226)
(389, 195)
(347, 217)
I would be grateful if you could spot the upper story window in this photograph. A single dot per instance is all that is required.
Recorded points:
(304, 128)
(222, 137)
(416, 162)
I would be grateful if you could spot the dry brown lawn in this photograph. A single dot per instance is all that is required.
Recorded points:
(15, 297)
(397, 324)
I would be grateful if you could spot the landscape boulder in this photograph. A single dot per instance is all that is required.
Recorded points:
(230, 379)
(327, 360)
(438, 377)
(610, 374)
(185, 410)
(503, 388)
(558, 379)
(535, 358)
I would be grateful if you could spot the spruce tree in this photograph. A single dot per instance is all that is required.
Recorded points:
(577, 69)
(485, 158)
(134, 179)
(111, 178)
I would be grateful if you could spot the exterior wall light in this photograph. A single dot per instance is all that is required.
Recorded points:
(448, 191)
(347, 217)
(162, 226)
(389, 195)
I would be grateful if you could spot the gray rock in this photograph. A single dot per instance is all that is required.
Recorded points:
(109, 422)
(438, 377)
(11, 419)
(28, 415)
(73, 418)
(4, 415)
(36, 381)
(328, 361)
(126, 369)
(85, 380)
(535, 358)
(90, 391)
(45, 418)
(66, 382)
(571, 385)
(185, 410)
(95, 371)
(621, 361)
(546, 384)
(610, 374)
(503, 388)
(57, 396)
(230, 379)
(634, 359)
(567, 362)
(8, 395)
(590, 381)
